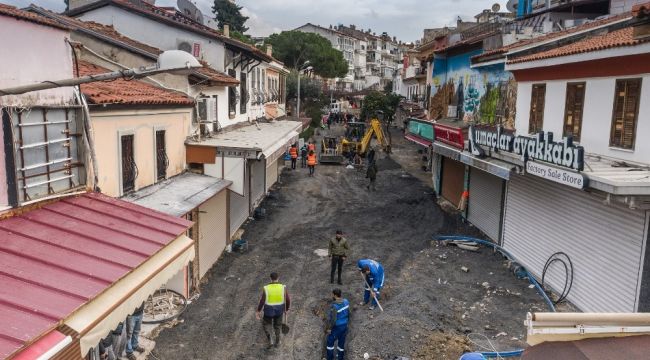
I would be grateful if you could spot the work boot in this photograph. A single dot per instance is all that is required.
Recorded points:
(339, 282)
(277, 341)
(270, 345)
(131, 356)
(139, 349)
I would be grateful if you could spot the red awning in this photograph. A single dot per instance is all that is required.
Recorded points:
(418, 140)
(58, 257)
(45, 347)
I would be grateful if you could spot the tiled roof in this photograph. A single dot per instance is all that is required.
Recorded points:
(59, 257)
(173, 18)
(16, 13)
(127, 92)
(641, 10)
(217, 76)
(109, 31)
(554, 35)
(614, 39)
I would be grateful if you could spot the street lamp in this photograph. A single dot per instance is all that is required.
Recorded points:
(304, 66)
(171, 61)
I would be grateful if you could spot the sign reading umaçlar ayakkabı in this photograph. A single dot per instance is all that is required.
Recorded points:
(540, 147)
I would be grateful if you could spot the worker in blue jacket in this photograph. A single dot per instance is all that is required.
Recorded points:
(337, 326)
(374, 274)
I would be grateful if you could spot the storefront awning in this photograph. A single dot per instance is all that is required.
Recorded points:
(59, 258)
(179, 195)
(418, 140)
(617, 177)
(279, 148)
(493, 166)
(98, 317)
(258, 139)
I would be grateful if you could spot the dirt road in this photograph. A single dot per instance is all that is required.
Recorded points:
(430, 303)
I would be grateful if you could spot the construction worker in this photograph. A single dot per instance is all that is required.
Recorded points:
(338, 250)
(374, 276)
(274, 302)
(293, 151)
(303, 156)
(311, 146)
(371, 174)
(311, 162)
(337, 326)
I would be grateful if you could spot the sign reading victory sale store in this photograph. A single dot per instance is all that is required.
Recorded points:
(540, 147)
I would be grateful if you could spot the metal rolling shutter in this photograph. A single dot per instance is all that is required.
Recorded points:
(485, 200)
(453, 179)
(271, 174)
(239, 207)
(258, 177)
(603, 241)
(212, 229)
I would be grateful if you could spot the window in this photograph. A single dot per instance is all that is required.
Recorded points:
(626, 111)
(162, 161)
(129, 168)
(244, 93)
(536, 121)
(232, 96)
(575, 100)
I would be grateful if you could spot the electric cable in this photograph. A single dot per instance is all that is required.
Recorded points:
(568, 270)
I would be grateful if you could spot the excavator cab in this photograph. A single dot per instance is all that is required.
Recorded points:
(331, 151)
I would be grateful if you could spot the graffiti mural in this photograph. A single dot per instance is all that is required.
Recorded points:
(485, 95)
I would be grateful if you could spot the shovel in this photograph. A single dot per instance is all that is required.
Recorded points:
(285, 326)
(369, 287)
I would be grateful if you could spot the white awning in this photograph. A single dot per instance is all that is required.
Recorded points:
(278, 149)
(97, 318)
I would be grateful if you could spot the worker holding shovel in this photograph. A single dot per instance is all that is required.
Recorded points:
(373, 274)
(274, 304)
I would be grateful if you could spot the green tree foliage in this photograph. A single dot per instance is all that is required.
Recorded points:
(229, 13)
(242, 37)
(378, 101)
(309, 88)
(295, 47)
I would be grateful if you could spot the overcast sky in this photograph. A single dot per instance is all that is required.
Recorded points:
(402, 18)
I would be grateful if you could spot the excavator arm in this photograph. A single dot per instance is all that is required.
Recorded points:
(375, 128)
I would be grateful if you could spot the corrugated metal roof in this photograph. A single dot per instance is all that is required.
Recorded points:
(58, 257)
(260, 137)
(179, 195)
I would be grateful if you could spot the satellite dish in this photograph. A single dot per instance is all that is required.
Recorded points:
(512, 5)
(496, 7)
(190, 10)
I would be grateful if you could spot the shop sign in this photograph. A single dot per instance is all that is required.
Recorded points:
(561, 176)
(538, 147)
(449, 135)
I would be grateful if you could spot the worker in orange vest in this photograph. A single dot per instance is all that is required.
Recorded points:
(293, 151)
(311, 147)
(311, 162)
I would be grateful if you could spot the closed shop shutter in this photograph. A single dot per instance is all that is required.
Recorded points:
(604, 242)
(239, 207)
(212, 231)
(453, 179)
(271, 174)
(258, 177)
(485, 203)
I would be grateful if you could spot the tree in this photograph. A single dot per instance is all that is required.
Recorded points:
(378, 101)
(229, 13)
(295, 47)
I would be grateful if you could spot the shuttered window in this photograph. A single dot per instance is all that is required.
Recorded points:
(575, 99)
(626, 111)
(536, 122)
(162, 161)
(232, 96)
(129, 169)
(244, 93)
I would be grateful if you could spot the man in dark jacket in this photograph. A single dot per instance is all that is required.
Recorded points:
(338, 250)
(273, 304)
(371, 174)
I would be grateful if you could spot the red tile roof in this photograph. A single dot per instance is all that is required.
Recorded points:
(215, 76)
(641, 10)
(16, 13)
(58, 257)
(614, 39)
(127, 92)
(173, 18)
(550, 36)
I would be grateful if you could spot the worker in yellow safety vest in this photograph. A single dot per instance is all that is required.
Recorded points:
(273, 304)
(311, 163)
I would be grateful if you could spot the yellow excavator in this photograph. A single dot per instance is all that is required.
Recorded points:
(364, 143)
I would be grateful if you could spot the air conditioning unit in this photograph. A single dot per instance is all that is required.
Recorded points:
(207, 110)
